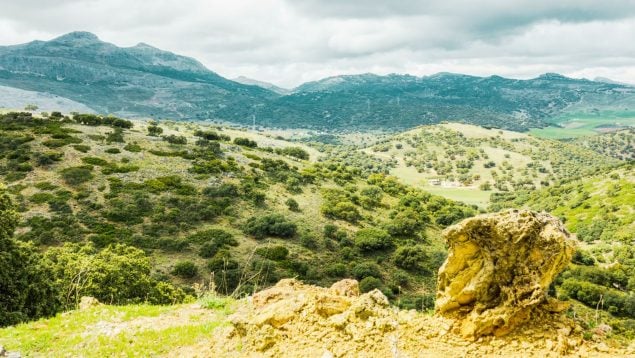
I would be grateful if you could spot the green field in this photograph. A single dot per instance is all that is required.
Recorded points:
(574, 125)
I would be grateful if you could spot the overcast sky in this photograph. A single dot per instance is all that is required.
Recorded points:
(288, 42)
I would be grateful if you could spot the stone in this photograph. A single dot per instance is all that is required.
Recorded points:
(347, 287)
(87, 302)
(602, 347)
(499, 268)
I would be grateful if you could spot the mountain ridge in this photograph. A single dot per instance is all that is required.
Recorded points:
(144, 81)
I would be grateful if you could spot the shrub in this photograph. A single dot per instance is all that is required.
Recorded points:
(81, 148)
(372, 239)
(77, 175)
(411, 257)
(309, 240)
(275, 252)
(218, 236)
(245, 142)
(154, 130)
(185, 269)
(118, 274)
(133, 148)
(369, 283)
(292, 204)
(174, 139)
(296, 152)
(270, 225)
(336, 270)
(366, 269)
(208, 249)
(113, 151)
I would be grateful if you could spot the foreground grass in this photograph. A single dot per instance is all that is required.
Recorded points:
(128, 331)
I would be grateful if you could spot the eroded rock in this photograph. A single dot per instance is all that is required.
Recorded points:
(499, 268)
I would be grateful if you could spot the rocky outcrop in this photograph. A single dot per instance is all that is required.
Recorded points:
(499, 268)
(316, 320)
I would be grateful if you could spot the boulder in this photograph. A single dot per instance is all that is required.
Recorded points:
(499, 269)
(87, 302)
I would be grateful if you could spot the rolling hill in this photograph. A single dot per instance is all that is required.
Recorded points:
(468, 163)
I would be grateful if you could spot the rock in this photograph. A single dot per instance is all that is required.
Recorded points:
(2, 351)
(603, 329)
(602, 347)
(499, 268)
(328, 305)
(87, 302)
(348, 288)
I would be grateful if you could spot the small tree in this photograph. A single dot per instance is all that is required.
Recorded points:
(292, 204)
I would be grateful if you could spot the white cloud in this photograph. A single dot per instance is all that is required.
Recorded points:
(292, 41)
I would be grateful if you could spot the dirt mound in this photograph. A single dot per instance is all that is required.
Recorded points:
(499, 268)
(292, 319)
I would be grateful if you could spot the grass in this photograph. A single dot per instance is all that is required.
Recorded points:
(135, 330)
(575, 125)
(468, 196)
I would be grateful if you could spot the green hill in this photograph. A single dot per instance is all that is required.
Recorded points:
(225, 208)
(468, 163)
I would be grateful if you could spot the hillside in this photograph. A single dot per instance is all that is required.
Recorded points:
(228, 208)
(618, 144)
(469, 163)
(143, 81)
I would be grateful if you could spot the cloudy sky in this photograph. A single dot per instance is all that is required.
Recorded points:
(288, 42)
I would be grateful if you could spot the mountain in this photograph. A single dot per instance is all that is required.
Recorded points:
(402, 101)
(266, 85)
(143, 81)
(137, 81)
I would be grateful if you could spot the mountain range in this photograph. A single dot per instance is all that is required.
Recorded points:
(143, 81)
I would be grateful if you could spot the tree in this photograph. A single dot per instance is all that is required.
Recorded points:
(31, 107)
(154, 130)
(26, 286)
(371, 239)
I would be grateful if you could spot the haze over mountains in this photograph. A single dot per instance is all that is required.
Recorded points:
(143, 81)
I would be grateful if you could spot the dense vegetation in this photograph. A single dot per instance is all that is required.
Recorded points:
(119, 213)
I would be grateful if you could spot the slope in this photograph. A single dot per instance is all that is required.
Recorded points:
(468, 163)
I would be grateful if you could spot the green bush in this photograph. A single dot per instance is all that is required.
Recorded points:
(113, 151)
(274, 252)
(366, 269)
(133, 148)
(411, 257)
(77, 175)
(296, 152)
(292, 204)
(118, 274)
(336, 270)
(245, 142)
(369, 283)
(372, 239)
(218, 236)
(174, 139)
(270, 225)
(185, 269)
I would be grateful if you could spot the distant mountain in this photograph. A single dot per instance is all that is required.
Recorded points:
(134, 81)
(266, 85)
(405, 101)
(143, 81)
